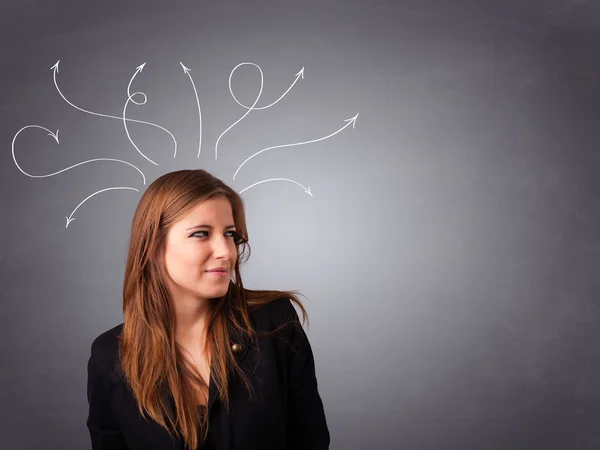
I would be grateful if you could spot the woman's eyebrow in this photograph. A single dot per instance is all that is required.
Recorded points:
(208, 226)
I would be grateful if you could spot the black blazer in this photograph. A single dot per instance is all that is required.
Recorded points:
(285, 413)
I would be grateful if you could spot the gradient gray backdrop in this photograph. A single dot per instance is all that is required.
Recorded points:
(449, 258)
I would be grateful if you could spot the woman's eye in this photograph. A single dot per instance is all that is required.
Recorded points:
(232, 234)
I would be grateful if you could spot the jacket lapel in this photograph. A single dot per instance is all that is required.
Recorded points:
(245, 343)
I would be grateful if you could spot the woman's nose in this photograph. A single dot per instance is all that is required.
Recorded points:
(222, 247)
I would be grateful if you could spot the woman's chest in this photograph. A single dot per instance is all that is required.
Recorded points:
(200, 364)
(256, 417)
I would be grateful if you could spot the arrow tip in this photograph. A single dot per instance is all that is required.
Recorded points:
(55, 66)
(141, 67)
(69, 221)
(301, 73)
(54, 135)
(185, 69)
(308, 191)
(352, 120)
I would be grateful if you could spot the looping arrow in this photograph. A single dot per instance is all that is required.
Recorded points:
(131, 99)
(299, 75)
(247, 112)
(55, 71)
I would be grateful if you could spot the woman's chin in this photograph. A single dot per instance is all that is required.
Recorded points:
(213, 293)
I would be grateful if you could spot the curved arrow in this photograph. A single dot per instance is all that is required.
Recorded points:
(187, 72)
(131, 99)
(55, 71)
(298, 76)
(253, 105)
(306, 189)
(70, 218)
(351, 121)
(55, 136)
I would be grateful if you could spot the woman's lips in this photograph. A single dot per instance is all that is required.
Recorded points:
(217, 273)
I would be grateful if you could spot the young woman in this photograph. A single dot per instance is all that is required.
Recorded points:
(199, 361)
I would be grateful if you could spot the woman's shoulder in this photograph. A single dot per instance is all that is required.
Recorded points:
(105, 346)
(270, 315)
(274, 313)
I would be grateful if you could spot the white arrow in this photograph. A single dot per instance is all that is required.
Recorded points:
(55, 136)
(55, 71)
(298, 76)
(351, 121)
(306, 189)
(187, 72)
(250, 109)
(131, 99)
(70, 218)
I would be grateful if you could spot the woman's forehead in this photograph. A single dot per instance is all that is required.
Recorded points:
(212, 212)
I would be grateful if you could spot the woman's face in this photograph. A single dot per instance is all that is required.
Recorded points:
(201, 241)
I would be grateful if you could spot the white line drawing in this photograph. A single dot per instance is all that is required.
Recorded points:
(55, 136)
(306, 189)
(70, 218)
(298, 76)
(187, 72)
(247, 112)
(55, 71)
(351, 121)
(130, 98)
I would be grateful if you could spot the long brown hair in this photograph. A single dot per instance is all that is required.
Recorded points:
(150, 359)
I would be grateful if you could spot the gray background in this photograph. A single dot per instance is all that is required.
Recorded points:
(449, 256)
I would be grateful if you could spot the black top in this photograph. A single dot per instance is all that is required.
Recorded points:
(209, 443)
(286, 411)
